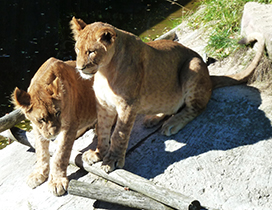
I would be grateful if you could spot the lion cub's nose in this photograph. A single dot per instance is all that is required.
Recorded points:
(53, 131)
(81, 68)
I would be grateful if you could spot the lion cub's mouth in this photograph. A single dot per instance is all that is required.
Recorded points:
(87, 73)
(52, 137)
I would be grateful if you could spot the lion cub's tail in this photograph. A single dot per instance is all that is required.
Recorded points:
(243, 76)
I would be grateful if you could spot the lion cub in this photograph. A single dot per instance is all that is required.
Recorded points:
(160, 78)
(60, 105)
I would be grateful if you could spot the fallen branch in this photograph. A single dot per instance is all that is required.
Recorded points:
(143, 186)
(11, 119)
(123, 197)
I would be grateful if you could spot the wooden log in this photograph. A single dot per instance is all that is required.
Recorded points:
(11, 119)
(124, 178)
(122, 197)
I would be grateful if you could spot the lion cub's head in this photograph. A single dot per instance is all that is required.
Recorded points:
(41, 104)
(94, 45)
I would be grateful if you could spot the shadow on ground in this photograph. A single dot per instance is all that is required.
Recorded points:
(231, 119)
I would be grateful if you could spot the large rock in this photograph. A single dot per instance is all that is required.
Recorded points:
(258, 18)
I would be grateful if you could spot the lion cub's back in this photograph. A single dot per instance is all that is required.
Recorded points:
(77, 93)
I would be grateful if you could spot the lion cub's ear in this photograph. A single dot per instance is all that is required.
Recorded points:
(54, 88)
(21, 99)
(106, 36)
(76, 26)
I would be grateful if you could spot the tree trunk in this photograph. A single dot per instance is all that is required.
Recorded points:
(11, 119)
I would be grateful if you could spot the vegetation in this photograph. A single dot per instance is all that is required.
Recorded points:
(223, 18)
(24, 125)
(3, 142)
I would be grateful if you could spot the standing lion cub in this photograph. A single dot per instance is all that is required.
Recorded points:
(159, 79)
(60, 105)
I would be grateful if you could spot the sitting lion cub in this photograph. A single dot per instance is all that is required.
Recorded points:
(60, 104)
(161, 78)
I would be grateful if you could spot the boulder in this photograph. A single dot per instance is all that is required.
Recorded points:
(258, 18)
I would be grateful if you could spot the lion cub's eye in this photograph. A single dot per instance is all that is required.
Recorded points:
(41, 120)
(90, 52)
(58, 113)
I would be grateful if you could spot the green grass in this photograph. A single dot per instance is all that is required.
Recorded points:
(223, 17)
(24, 125)
(3, 142)
(175, 22)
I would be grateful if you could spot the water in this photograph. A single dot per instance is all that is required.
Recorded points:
(33, 32)
(170, 21)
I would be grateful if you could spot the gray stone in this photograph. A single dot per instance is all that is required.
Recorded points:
(258, 18)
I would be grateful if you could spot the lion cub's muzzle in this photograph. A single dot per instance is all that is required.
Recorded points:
(87, 71)
(51, 133)
(81, 68)
(50, 137)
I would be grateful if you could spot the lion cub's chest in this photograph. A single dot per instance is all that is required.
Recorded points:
(104, 94)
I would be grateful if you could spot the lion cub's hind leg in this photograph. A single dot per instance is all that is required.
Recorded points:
(197, 92)
(194, 105)
(176, 122)
(153, 120)
(41, 172)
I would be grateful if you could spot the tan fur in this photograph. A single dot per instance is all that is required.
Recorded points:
(160, 78)
(60, 104)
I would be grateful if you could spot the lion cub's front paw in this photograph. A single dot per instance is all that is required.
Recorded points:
(58, 185)
(111, 161)
(35, 179)
(91, 157)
